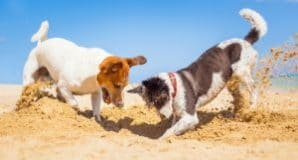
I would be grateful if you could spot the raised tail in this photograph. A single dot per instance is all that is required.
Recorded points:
(42, 34)
(258, 23)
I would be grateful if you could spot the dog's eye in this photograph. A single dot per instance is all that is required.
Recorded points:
(117, 86)
(155, 102)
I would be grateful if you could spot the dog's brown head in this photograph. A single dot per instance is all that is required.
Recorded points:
(113, 76)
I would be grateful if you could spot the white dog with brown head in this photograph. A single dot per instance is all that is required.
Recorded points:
(79, 70)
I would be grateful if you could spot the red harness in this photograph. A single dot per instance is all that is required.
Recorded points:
(174, 83)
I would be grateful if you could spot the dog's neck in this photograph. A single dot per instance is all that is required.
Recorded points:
(174, 84)
(176, 91)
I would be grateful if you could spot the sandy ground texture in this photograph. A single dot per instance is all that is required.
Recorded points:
(50, 129)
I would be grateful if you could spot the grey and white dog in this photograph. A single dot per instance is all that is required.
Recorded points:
(180, 93)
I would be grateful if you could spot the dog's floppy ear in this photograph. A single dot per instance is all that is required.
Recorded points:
(139, 90)
(138, 60)
(111, 67)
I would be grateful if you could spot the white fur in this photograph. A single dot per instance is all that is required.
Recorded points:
(41, 34)
(179, 102)
(96, 101)
(217, 85)
(248, 57)
(186, 122)
(72, 67)
(76, 67)
(167, 109)
(255, 19)
(50, 91)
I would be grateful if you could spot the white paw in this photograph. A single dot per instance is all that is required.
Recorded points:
(73, 103)
(49, 92)
(165, 135)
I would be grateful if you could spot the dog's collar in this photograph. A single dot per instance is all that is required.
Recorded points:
(174, 83)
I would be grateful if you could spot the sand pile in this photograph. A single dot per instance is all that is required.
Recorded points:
(32, 93)
(249, 127)
(38, 114)
(51, 117)
(252, 127)
(46, 116)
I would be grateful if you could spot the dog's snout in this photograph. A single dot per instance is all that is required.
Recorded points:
(119, 104)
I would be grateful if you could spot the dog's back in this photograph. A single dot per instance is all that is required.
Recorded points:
(207, 76)
(64, 59)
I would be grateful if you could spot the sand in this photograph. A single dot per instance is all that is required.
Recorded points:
(50, 129)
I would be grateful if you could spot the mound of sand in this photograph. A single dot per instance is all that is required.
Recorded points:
(32, 93)
(252, 127)
(46, 115)
(42, 126)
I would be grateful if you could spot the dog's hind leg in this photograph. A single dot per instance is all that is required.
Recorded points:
(96, 103)
(30, 68)
(51, 91)
(234, 87)
(248, 80)
(67, 95)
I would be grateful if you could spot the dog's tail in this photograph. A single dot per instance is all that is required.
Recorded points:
(42, 33)
(259, 26)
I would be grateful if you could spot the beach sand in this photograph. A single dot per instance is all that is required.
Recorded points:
(50, 129)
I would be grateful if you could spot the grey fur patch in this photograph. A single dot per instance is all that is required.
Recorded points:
(211, 61)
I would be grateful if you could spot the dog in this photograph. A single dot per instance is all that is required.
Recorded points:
(78, 70)
(178, 94)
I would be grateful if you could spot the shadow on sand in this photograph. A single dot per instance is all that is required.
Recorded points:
(152, 131)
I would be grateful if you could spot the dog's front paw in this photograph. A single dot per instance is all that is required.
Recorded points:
(166, 135)
(72, 103)
(163, 137)
(97, 118)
